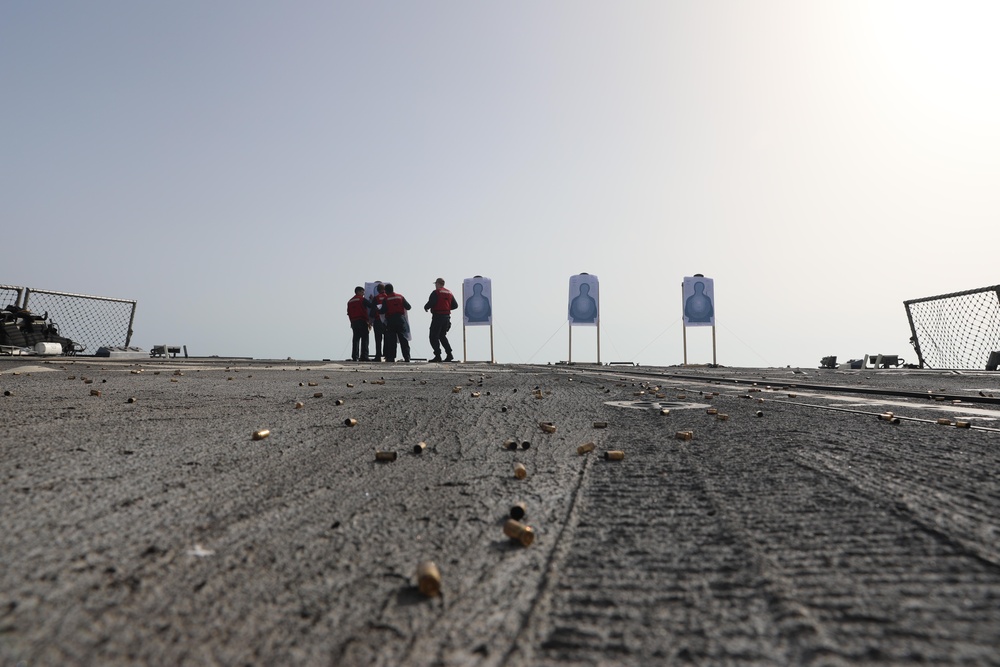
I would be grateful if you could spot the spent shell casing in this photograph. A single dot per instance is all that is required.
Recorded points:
(520, 472)
(963, 424)
(600, 424)
(95, 392)
(516, 530)
(318, 394)
(419, 447)
(944, 421)
(299, 405)
(712, 411)
(314, 384)
(503, 408)
(586, 447)
(526, 445)
(760, 413)
(455, 390)
(428, 578)
(350, 422)
(261, 434)
(548, 427)
(722, 417)
(385, 456)
(614, 455)
(339, 401)
(518, 510)
(664, 411)
(510, 443)
(475, 394)
(684, 435)
(132, 399)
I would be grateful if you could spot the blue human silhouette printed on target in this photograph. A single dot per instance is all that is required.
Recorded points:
(583, 308)
(477, 306)
(698, 307)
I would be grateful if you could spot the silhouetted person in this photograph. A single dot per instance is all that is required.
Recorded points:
(477, 306)
(583, 308)
(698, 307)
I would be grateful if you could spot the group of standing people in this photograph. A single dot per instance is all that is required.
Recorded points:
(385, 313)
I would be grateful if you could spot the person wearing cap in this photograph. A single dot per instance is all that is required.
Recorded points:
(440, 304)
(394, 308)
(357, 311)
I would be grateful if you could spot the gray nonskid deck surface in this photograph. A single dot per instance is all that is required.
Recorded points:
(158, 532)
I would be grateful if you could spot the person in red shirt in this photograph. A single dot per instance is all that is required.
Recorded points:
(394, 308)
(440, 304)
(357, 311)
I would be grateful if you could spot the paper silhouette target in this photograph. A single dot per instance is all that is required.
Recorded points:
(584, 300)
(699, 302)
(477, 311)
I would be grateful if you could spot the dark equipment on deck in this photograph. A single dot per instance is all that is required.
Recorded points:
(19, 327)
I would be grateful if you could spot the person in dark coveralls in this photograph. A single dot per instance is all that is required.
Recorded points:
(440, 304)
(378, 324)
(394, 308)
(357, 311)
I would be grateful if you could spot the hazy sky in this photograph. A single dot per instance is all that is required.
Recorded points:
(239, 166)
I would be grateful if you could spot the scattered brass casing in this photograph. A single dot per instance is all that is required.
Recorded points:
(428, 578)
(516, 530)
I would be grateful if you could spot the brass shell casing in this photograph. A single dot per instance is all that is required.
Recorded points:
(261, 434)
(518, 510)
(428, 578)
(350, 422)
(385, 456)
(520, 472)
(419, 447)
(586, 447)
(516, 530)
(614, 455)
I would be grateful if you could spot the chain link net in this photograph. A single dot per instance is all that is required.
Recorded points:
(10, 295)
(89, 322)
(957, 330)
